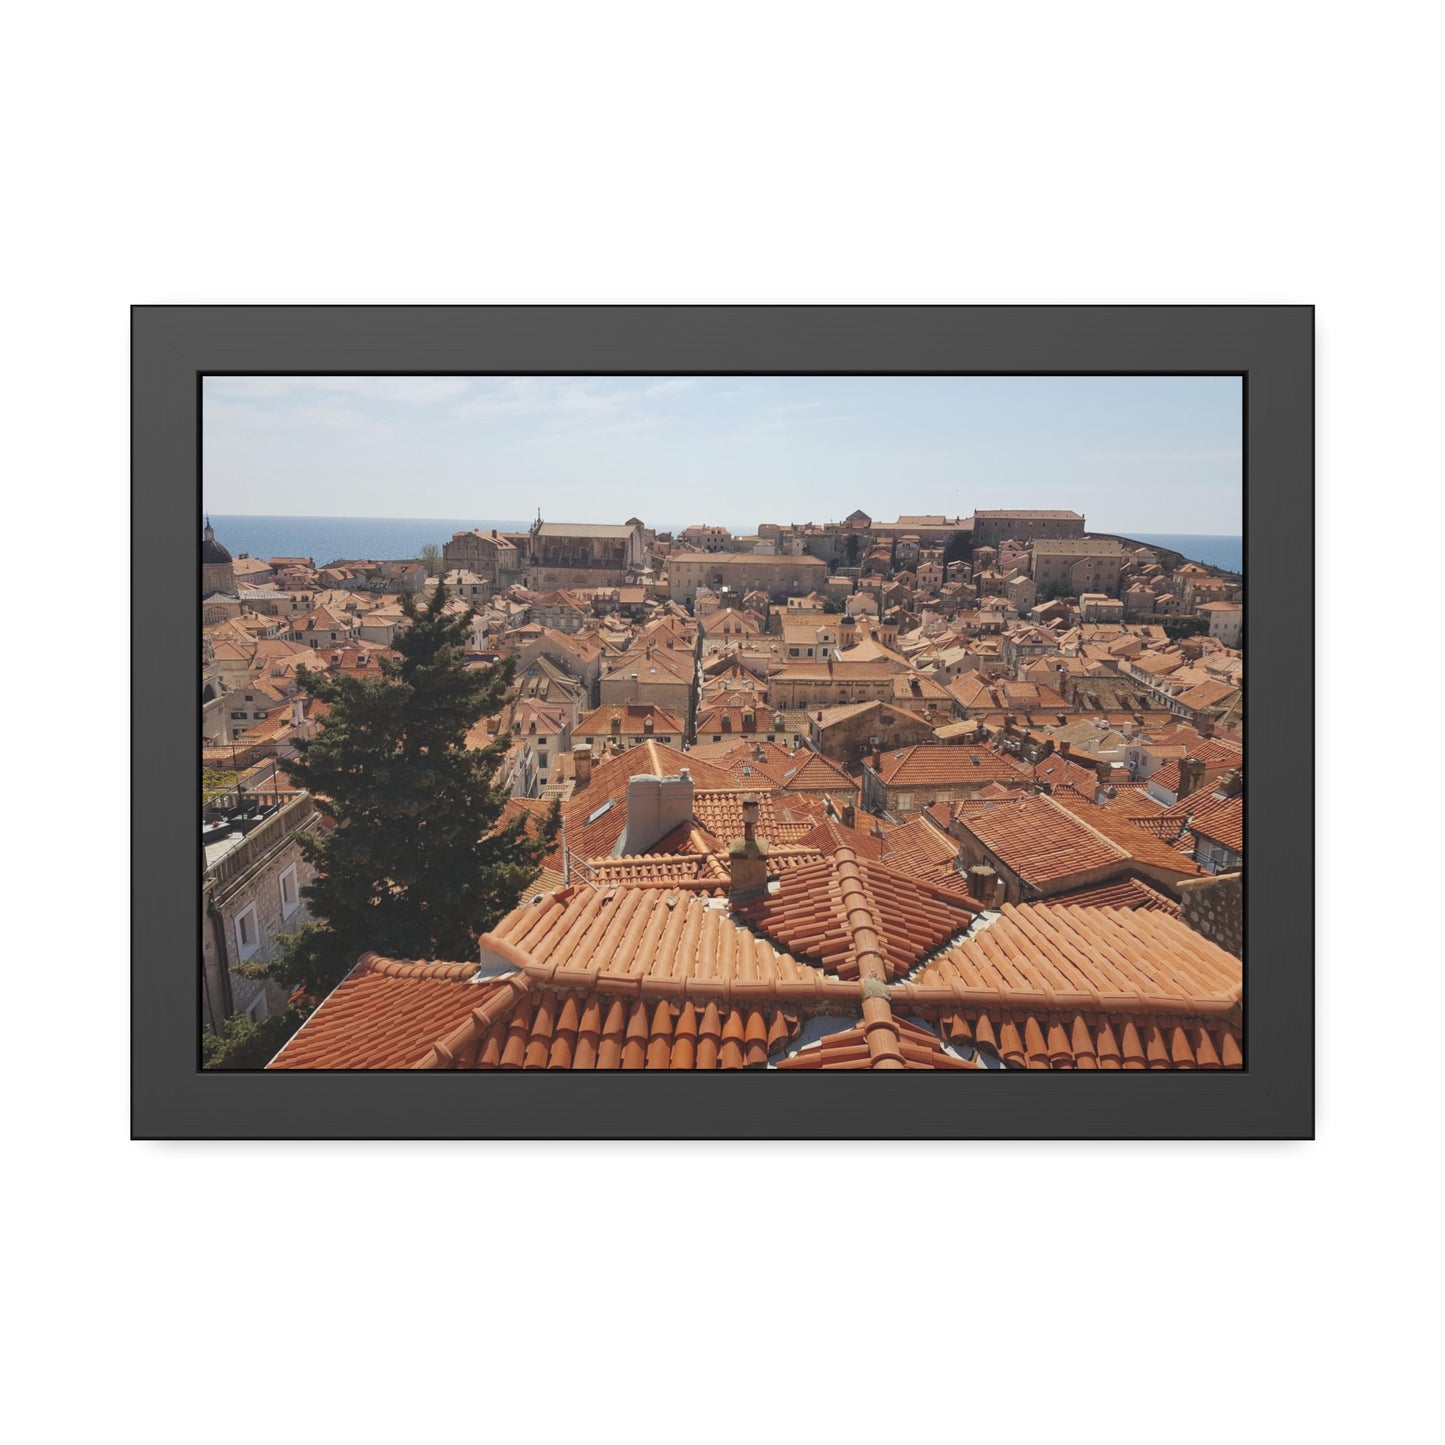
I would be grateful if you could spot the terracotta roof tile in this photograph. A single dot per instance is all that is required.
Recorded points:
(1120, 893)
(388, 1014)
(845, 910)
(948, 765)
(1048, 986)
(1037, 838)
(849, 1049)
(1219, 819)
(830, 835)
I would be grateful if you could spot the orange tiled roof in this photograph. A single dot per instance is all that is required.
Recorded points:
(632, 719)
(720, 812)
(946, 765)
(1219, 819)
(1116, 820)
(821, 911)
(708, 871)
(1120, 893)
(1042, 842)
(830, 835)
(808, 771)
(849, 1049)
(918, 847)
(386, 1014)
(1092, 988)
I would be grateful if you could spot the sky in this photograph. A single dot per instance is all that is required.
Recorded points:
(1133, 454)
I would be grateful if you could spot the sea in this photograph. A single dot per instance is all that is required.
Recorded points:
(1214, 551)
(333, 539)
(336, 539)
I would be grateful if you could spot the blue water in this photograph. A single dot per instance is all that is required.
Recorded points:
(331, 539)
(1215, 551)
(334, 539)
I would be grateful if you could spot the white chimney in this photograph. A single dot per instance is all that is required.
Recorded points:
(655, 806)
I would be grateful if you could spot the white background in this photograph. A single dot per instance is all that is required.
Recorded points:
(783, 153)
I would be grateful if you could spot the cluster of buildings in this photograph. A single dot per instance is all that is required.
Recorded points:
(937, 792)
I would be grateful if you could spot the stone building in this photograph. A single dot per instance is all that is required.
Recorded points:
(628, 725)
(217, 571)
(1214, 909)
(991, 528)
(1082, 564)
(734, 574)
(658, 674)
(855, 730)
(1226, 620)
(250, 897)
(910, 779)
(811, 685)
(470, 586)
(489, 555)
(580, 554)
(703, 537)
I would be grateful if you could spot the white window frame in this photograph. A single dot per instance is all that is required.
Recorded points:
(243, 950)
(291, 873)
(259, 1002)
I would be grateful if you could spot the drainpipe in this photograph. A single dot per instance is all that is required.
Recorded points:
(218, 928)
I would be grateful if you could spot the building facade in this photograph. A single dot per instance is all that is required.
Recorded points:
(734, 574)
(1085, 564)
(578, 554)
(991, 528)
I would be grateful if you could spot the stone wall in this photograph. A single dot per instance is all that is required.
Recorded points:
(1214, 908)
(253, 880)
(848, 739)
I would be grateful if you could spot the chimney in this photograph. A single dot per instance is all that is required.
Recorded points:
(982, 881)
(1064, 750)
(1105, 771)
(1191, 775)
(655, 806)
(748, 857)
(582, 764)
(850, 815)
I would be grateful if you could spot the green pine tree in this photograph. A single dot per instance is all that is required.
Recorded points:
(416, 866)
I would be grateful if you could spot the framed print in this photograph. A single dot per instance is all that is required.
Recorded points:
(664, 722)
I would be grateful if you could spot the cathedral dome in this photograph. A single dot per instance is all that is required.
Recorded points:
(211, 550)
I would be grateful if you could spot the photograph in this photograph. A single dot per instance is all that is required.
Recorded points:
(680, 722)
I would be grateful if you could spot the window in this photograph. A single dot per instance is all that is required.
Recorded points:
(259, 1011)
(238, 717)
(248, 939)
(290, 892)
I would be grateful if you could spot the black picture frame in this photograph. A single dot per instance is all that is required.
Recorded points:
(1271, 347)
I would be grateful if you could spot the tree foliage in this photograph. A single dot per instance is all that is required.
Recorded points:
(1185, 625)
(431, 557)
(958, 548)
(416, 866)
(242, 1044)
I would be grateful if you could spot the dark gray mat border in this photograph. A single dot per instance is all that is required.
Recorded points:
(1271, 346)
